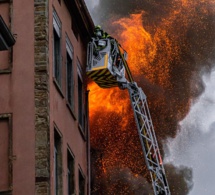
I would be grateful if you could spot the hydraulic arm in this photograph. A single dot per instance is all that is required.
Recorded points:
(107, 65)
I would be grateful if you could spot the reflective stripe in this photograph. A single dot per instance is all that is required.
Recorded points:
(103, 78)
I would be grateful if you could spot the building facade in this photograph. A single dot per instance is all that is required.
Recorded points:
(44, 146)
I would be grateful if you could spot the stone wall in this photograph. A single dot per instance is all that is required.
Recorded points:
(42, 148)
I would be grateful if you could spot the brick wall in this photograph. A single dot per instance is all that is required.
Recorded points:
(42, 149)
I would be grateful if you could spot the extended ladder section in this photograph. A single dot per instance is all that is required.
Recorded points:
(106, 65)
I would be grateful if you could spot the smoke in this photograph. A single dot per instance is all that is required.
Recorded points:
(179, 178)
(168, 65)
(123, 181)
(195, 142)
(106, 9)
(92, 6)
(178, 31)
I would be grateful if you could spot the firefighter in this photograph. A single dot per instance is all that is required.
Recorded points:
(98, 32)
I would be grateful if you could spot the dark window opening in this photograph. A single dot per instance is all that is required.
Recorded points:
(4, 155)
(57, 164)
(4, 1)
(75, 29)
(57, 65)
(81, 184)
(70, 80)
(70, 169)
(80, 102)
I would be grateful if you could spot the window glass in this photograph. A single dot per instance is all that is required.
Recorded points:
(70, 169)
(57, 48)
(4, 155)
(57, 164)
(81, 184)
(80, 102)
(69, 71)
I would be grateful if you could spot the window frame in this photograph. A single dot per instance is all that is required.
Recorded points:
(74, 28)
(80, 172)
(4, 1)
(57, 60)
(11, 157)
(58, 162)
(8, 40)
(70, 53)
(82, 122)
(70, 156)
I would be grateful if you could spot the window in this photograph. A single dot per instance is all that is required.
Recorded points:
(4, 1)
(57, 48)
(75, 29)
(69, 74)
(6, 41)
(81, 183)
(5, 153)
(80, 99)
(70, 171)
(57, 164)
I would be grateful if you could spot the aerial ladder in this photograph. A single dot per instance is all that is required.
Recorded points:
(107, 65)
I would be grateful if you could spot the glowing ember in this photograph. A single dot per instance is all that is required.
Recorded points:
(165, 53)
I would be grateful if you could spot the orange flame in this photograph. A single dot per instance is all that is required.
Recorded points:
(137, 41)
(161, 57)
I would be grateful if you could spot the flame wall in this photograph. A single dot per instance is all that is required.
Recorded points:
(169, 43)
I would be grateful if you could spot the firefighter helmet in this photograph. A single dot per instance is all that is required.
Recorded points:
(98, 27)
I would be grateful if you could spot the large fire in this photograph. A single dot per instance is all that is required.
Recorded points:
(164, 55)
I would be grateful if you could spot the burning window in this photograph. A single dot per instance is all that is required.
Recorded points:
(70, 172)
(57, 48)
(57, 164)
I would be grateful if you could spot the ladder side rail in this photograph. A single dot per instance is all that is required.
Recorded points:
(160, 172)
(150, 127)
(144, 137)
(157, 153)
(148, 139)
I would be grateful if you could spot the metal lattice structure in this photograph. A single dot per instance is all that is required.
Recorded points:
(106, 65)
(148, 139)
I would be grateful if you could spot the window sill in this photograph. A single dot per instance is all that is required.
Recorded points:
(4, 1)
(9, 192)
(82, 132)
(58, 87)
(6, 71)
(71, 110)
